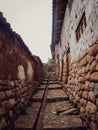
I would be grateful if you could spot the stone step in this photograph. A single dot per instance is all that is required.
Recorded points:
(56, 94)
(49, 100)
(53, 82)
(27, 121)
(42, 87)
(55, 86)
(53, 121)
(44, 82)
(38, 96)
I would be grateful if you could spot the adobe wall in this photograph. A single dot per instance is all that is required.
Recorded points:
(20, 73)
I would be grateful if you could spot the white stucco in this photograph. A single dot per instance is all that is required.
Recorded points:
(30, 71)
(21, 72)
(71, 21)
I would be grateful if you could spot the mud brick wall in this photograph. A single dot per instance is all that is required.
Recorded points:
(82, 86)
(20, 72)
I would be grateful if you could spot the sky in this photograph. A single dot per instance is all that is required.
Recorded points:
(32, 20)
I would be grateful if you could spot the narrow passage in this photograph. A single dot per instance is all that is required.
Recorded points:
(50, 109)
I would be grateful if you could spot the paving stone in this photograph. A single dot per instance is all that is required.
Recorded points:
(53, 82)
(38, 96)
(27, 121)
(55, 86)
(53, 121)
(54, 95)
(42, 87)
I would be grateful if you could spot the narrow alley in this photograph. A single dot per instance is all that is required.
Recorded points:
(50, 109)
(61, 94)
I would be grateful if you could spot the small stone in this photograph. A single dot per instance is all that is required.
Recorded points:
(96, 88)
(82, 109)
(90, 59)
(83, 102)
(87, 68)
(3, 123)
(93, 50)
(11, 83)
(5, 105)
(8, 93)
(96, 67)
(97, 102)
(86, 86)
(83, 62)
(91, 86)
(93, 66)
(11, 102)
(93, 126)
(97, 57)
(2, 95)
(91, 96)
(85, 94)
(91, 108)
(97, 117)
(1, 112)
(94, 77)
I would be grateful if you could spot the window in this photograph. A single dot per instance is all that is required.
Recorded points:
(81, 27)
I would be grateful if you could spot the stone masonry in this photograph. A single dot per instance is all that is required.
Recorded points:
(20, 72)
(75, 52)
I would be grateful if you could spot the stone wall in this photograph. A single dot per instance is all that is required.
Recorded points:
(20, 72)
(82, 86)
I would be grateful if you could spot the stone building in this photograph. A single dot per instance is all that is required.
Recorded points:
(20, 72)
(75, 51)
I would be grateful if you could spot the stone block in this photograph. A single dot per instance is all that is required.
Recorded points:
(97, 57)
(8, 93)
(91, 86)
(86, 86)
(84, 61)
(2, 96)
(85, 94)
(90, 59)
(97, 102)
(82, 109)
(83, 102)
(93, 125)
(91, 108)
(91, 96)
(96, 89)
(93, 66)
(93, 50)
(94, 77)
(96, 68)
(3, 123)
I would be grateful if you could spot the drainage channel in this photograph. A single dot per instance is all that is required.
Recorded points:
(38, 122)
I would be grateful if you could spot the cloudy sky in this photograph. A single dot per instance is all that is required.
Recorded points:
(32, 20)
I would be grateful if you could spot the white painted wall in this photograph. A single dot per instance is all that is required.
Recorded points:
(21, 72)
(30, 71)
(71, 21)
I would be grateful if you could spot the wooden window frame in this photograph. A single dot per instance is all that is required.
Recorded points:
(81, 27)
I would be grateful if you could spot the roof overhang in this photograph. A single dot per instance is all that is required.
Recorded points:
(58, 11)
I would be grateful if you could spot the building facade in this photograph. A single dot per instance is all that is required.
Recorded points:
(75, 51)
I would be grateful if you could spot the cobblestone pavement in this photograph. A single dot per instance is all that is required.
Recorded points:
(51, 110)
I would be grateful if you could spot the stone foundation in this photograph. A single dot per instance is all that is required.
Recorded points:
(13, 97)
(82, 86)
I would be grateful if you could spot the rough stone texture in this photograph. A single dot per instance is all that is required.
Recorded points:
(19, 73)
(82, 84)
